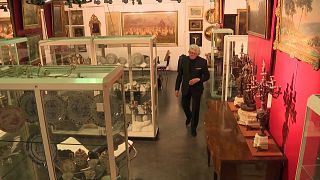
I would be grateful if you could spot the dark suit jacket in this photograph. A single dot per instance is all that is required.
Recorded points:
(200, 70)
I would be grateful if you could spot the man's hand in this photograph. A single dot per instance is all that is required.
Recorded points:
(177, 93)
(194, 81)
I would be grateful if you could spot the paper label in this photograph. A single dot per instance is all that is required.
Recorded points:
(99, 107)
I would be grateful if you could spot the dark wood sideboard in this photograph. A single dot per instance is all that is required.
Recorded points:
(229, 152)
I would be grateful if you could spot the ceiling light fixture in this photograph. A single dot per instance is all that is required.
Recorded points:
(37, 2)
(79, 2)
(108, 1)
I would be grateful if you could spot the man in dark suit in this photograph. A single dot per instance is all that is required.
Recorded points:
(192, 72)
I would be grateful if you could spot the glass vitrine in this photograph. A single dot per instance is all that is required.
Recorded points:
(217, 57)
(309, 158)
(65, 51)
(137, 54)
(14, 51)
(236, 56)
(63, 122)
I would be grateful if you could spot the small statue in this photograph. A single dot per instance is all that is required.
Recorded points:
(263, 118)
(240, 86)
(249, 101)
(246, 88)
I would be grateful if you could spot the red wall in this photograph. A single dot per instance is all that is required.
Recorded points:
(306, 81)
(17, 13)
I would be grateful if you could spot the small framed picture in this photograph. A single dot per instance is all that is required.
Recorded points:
(78, 31)
(195, 11)
(196, 38)
(95, 25)
(241, 22)
(195, 25)
(76, 17)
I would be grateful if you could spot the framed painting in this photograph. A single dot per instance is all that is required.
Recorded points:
(95, 25)
(259, 18)
(113, 22)
(57, 19)
(229, 21)
(76, 17)
(77, 31)
(30, 15)
(210, 16)
(6, 30)
(195, 11)
(195, 25)
(161, 24)
(214, 14)
(298, 31)
(195, 38)
(241, 28)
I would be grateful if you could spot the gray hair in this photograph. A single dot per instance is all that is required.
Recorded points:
(195, 48)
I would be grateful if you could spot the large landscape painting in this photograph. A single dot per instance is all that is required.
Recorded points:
(300, 30)
(161, 24)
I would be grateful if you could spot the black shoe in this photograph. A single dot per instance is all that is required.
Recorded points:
(188, 121)
(194, 133)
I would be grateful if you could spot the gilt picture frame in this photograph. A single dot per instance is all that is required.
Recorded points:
(241, 22)
(6, 29)
(95, 25)
(195, 24)
(195, 11)
(76, 17)
(297, 32)
(259, 18)
(30, 16)
(78, 31)
(162, 24)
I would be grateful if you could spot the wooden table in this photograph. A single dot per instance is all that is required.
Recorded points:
(228, 149)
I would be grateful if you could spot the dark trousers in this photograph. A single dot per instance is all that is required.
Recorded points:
(192, 114)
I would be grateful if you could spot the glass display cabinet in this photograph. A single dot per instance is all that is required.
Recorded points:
(14, 51)
(138, 55)
(63, 123)
(309, 158)
(236, 56)
(65, 51)
(217, 57)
